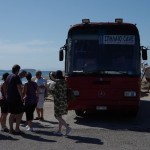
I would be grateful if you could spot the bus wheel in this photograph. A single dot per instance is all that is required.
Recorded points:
(132, 114)
(79, 113)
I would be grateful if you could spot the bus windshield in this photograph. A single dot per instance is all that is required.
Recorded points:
(109, 54)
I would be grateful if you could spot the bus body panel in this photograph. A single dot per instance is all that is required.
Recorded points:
(104, 93)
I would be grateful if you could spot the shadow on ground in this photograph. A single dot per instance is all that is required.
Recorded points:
(117, 120)
(36, 137)
(7, 137)
(88, 140)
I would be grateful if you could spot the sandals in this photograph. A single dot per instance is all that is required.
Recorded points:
(57, 133)
(68, 130)
(19, 133)
(12, 132)
(37, 118)
(5, 129)
(41, 119)
(16, 132)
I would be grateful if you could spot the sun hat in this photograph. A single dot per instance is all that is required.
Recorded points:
(52, 75)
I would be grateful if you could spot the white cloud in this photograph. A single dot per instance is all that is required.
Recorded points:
(30, 54)
(38, 42)
(25, 47)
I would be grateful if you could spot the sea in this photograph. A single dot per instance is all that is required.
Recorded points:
(32, 71)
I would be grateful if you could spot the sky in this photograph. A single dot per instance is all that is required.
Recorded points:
(32, 31)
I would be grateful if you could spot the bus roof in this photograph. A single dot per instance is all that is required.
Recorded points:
(103, 24)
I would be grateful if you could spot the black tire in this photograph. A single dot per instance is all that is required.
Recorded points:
(132, 114)
(79, 113)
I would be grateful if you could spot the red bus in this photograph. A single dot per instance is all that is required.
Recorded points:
(103, 66)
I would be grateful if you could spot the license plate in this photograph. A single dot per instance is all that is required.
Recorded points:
(101, 108)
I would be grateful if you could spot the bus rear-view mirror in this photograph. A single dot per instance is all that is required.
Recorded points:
(61, 55)
(144, 54)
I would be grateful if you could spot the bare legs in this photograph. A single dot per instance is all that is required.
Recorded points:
(62, 122)
(11, 121)
(18, 120)
(29, 126)
(29, 123)
(40, 112)
(3, 120)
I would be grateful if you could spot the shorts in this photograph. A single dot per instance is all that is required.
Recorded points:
(30, 111)
(4, 107)
(16, 107)
(40, 103)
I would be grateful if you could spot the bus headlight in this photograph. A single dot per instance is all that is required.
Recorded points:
(76, 93)
(129, 93)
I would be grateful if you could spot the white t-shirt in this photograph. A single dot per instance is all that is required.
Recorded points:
(41, 82)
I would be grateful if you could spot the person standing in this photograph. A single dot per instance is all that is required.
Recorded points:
(59, 91)
(14, 99)
(22, 74)
(42, 84)
(30, 92)
(146, 73)
(4, 106)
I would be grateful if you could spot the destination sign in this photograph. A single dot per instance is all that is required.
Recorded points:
(117, 39)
